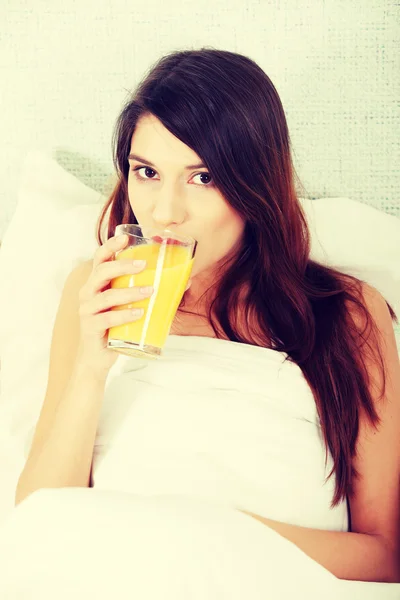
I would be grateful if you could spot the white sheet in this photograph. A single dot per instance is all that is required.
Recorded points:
(12, 461)
(84, 543)
(164, 546)
(220, 420)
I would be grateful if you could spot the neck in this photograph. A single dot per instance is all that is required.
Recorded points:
(202, 291)
(198, 298)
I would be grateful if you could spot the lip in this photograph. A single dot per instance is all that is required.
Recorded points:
(159, 235)
(169, 241)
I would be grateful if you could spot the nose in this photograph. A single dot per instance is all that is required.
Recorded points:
(168, 209)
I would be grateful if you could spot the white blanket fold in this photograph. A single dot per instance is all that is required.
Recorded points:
(84, 543)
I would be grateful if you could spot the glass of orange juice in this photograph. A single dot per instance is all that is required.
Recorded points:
(169, 259)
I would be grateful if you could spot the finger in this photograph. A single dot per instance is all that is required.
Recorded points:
(109, 248)
(104, 321)
(117, 297)
(108, 270)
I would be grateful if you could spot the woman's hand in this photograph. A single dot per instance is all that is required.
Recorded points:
(96, 298)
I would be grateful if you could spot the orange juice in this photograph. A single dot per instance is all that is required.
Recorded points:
(167, 269)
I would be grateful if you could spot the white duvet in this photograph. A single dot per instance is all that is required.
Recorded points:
(142, 533)
(84, 543)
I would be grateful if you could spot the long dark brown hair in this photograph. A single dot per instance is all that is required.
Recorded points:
(223, 106)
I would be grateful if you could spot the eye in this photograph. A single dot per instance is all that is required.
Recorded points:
(149, 175)
(207, 176)
(139, 177)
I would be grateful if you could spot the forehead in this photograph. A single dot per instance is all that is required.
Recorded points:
(153, 141)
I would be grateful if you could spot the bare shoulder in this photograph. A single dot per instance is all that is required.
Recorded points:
(378, 346)
(80, 273)
(74, 281)
(85, 266)
(376, 306)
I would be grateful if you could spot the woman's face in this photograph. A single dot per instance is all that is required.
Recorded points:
(167, 190)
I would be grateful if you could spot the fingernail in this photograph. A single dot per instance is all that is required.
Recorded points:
(146, 290)
(139, 263)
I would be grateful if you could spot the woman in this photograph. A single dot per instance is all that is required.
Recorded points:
(203, 149)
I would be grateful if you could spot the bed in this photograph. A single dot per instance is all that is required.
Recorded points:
(55, 528)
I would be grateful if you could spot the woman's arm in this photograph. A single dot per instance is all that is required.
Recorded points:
(371, 551)
(64, 457)
(357, 556)
(62, 447)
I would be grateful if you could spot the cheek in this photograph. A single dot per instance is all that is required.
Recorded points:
(133, 199)
(141, 211)
(217, 239)
(220, 217)
(229, 228)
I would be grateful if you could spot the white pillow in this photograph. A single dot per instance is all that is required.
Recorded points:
(357, 239)
(53, 229)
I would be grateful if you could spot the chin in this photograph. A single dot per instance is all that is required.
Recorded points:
(199, 268)
(195, 270)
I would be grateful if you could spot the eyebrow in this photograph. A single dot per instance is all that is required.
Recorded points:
(147, 162)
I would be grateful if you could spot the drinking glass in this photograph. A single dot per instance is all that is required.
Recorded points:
(169, 260)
